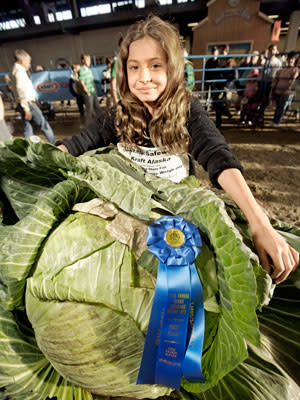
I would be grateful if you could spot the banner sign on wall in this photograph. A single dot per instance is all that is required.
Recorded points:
(53, 85)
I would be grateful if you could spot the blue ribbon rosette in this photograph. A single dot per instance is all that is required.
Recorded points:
(174, 340)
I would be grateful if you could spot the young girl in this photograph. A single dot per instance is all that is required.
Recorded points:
(158, 124)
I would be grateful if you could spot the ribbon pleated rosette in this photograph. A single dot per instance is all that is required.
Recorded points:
(174, 341)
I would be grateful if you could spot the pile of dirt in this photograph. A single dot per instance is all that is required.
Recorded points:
(271, 161)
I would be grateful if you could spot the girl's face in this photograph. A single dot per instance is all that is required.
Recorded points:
(147, 70)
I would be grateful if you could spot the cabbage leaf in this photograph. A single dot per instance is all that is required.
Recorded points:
(82, 285)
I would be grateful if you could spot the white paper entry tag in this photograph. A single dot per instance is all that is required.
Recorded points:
(157, 162)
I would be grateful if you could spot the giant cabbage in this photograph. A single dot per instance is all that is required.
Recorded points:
(76, 287)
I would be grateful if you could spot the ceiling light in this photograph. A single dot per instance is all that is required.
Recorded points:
(190, 25)
(273, 16)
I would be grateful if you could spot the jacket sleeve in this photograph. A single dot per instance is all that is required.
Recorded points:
(208, 146)
(21, 78)
(99, 133)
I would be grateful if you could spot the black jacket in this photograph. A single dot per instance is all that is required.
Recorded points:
(207, 146)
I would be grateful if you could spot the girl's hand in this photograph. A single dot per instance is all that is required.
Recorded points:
(277, 257)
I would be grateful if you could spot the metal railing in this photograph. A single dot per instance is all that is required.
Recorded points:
(203, 86)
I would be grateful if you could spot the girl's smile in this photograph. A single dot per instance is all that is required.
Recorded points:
(147, 70)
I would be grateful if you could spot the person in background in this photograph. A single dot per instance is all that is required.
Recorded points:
(211, 64)
(157, 113)
(250, 100)
(223, 51)
(246, 66)
(8, 92)
(106, 82)
(261, 60)
(224, 87)
(271, 65)
(231, 74)
(255, 58)
(282, 88)
(273, 61)
(86, 78)
(26, 97)
(77, 90)
(113, 75)
(4, 131)
(296, 100)
(283, 59)
(211, 77)
(244, 69)
(189, 74)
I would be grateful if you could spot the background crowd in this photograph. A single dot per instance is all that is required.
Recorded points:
(250, 86)
(244, 87)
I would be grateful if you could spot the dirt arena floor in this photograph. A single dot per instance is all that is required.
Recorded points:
(270, 156)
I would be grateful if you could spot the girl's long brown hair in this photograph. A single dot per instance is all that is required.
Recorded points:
(167, 128)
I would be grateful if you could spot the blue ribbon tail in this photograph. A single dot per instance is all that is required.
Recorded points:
(192, 365)
(148, 364)
(174, 327)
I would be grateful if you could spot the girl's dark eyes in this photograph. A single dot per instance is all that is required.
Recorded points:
(132, 67)
(135, 67)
